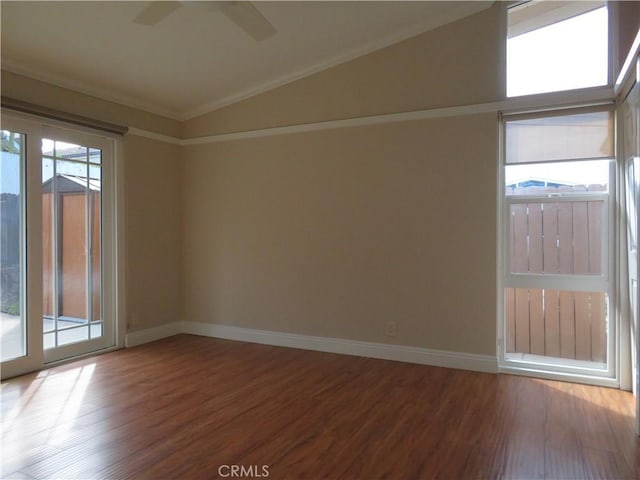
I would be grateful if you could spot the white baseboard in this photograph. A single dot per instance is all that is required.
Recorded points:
(152, 334)
(401, 353)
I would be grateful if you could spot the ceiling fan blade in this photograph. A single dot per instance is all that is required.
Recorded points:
(155, 12)
(248, 18)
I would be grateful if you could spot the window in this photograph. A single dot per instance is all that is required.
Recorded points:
(558, 181)
(555, 46)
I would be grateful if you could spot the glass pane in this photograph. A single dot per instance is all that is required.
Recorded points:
(13, 325)
(560, 137)
(48, 147)
(74, 171)
(564, 238)
(73, 335)
(95, 155)
(71, 322)
(557, 323)
(557, 178)
(71, 151)
(96, 330)
(49, 340)
(72, 243)
(48, 324)
(554, 46)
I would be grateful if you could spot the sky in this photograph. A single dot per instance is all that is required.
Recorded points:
(578, 173)
(9, 172)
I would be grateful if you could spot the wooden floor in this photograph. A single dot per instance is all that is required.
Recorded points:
(195, 407)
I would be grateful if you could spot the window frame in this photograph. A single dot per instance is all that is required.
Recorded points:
(612, 49)
(540, 366)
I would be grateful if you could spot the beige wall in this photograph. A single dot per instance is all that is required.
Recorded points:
(334, 233)
(152, 229)
(457, 64)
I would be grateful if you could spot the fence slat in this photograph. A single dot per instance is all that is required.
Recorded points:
(583, 325)
(550, 239)
(598, 328)
(522, 320)
(594, 217)
(536, 322)
(580, 239)
(565, 238)
(534, 225)
(510, 316)
(519, 253)
(567, 325)
(552, 323)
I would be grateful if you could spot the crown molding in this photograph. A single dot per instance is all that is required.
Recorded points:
(86, 89)
(139, 132)
(529, 103)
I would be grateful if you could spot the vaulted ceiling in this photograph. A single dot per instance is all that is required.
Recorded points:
(197, 59)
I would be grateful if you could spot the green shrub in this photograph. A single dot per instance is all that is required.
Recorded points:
(11, 308)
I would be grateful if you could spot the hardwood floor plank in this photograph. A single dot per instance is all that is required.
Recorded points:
(184, 406)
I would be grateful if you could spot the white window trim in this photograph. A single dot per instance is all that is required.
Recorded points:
(530, 365)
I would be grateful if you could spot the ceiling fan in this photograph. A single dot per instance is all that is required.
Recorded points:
(243, 13)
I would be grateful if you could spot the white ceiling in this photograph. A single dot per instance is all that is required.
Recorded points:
(197, 60)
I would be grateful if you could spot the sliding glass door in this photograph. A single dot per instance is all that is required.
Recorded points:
(58, 297)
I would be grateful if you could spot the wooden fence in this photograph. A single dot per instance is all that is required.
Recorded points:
(10, 253)
(10, 229)
(557, 238)
(556, 323)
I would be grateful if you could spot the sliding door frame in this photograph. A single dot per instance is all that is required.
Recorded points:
(35, 129)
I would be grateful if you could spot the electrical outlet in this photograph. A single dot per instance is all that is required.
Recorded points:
(390, 329)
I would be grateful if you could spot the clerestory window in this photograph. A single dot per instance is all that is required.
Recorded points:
(556, 45)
